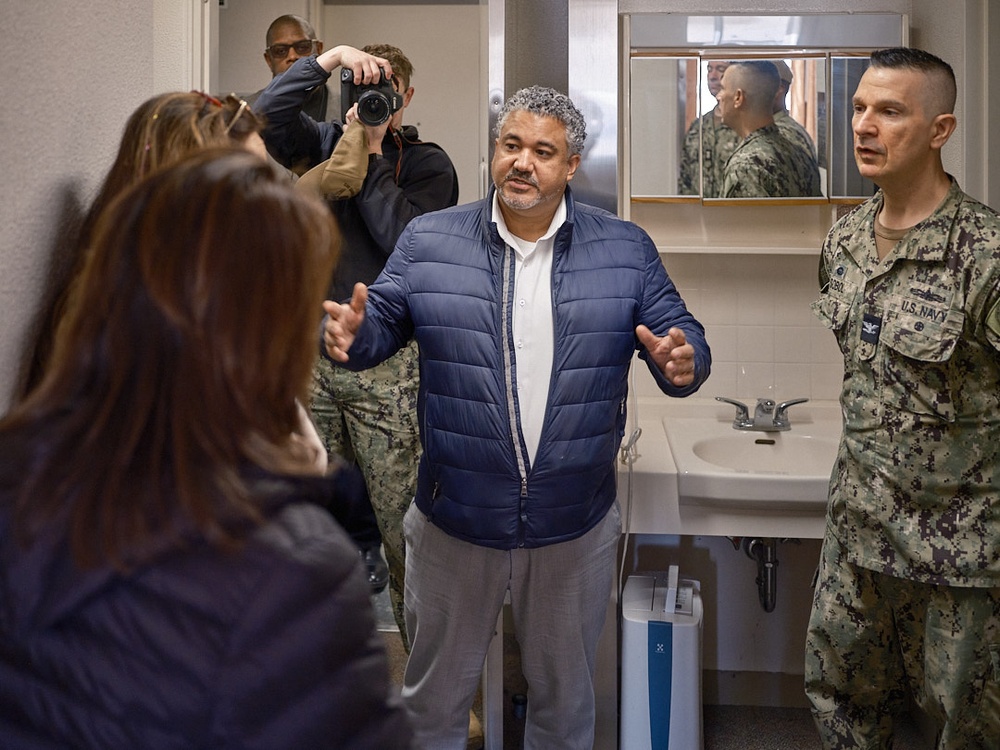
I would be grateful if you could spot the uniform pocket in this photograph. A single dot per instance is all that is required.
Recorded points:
(920, 341)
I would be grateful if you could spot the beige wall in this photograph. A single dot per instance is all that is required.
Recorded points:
(74, 73)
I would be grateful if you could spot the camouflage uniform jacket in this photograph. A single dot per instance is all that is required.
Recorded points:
(765, 165)
(794, 133)
(713, 140)
(915, 490)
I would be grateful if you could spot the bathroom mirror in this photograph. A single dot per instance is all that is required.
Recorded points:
(671, 95)
(678, 143)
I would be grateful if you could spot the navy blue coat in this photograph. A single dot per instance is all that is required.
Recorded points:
(270, 647)
(445, 284)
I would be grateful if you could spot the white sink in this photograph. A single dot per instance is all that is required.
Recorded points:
(723, 467)
(783, 453)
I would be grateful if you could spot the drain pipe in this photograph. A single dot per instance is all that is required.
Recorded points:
(765, 551)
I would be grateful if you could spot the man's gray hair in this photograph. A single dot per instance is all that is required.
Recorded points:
(547, 102)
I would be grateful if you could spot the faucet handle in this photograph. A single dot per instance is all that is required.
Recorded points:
(742, 410)
(780, 409)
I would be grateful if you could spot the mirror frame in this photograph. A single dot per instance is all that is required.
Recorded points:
(821, 143)
(831, 36)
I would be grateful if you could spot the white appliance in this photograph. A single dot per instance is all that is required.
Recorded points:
(661, 663)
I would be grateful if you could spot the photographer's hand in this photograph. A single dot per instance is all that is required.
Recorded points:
(365, 66)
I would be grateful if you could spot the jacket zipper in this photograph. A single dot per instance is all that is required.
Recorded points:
(506, 322)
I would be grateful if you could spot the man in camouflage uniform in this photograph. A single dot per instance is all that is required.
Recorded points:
(788, 126)
(908, 593)
(707, 143)
(764, 165)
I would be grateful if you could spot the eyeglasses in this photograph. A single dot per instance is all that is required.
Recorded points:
(302, 48)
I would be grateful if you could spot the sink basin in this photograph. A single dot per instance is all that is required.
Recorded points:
(782, 453)
(723, 467)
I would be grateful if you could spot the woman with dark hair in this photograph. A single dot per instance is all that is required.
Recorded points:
(165, 578)
(168, 127)
(162, 130)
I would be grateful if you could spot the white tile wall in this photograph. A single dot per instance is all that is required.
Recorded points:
(765, 339)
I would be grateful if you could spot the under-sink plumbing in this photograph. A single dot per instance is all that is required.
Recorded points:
(765, 551)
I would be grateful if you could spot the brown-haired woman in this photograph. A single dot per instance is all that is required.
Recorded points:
(162, 130)
(165, 580)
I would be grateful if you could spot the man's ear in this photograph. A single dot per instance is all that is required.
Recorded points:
(574, 162)
(739, 98)
(319, 48)
(407, 95)
(942, 127)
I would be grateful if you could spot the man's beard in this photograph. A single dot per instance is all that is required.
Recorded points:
(518, 201)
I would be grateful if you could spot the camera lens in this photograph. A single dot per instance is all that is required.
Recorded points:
(373, 108)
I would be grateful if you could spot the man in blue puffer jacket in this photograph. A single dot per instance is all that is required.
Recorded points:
(527, 308)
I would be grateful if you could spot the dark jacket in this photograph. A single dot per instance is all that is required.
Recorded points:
(270, 647)
(445, 284)
(409, 179)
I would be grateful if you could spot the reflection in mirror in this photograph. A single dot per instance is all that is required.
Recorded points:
(668, 55)
(847, 182)
(679, 144)
(771, 106)
(708, 141)
(664, 92)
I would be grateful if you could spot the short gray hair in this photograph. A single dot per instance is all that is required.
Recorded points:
(547, 102)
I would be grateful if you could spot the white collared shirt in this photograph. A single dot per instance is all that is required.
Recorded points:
(532, 322)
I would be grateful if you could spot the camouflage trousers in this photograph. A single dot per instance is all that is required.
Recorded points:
(371, 416)
(874, 640)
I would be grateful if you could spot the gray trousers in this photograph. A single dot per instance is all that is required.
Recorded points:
(454, 593)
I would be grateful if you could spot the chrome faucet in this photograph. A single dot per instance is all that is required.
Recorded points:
(768, 416)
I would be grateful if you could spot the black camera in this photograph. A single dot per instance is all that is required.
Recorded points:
(376, 101)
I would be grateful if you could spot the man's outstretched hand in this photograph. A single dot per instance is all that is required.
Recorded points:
(342, 323)
(671, 353)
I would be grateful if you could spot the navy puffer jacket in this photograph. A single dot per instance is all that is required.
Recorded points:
(449, 283)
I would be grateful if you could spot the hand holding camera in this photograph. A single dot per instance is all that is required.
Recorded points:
(377, 102)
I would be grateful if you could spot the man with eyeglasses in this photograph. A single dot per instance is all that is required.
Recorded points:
(290, 37)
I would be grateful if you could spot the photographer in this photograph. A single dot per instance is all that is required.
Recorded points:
(368, 415)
